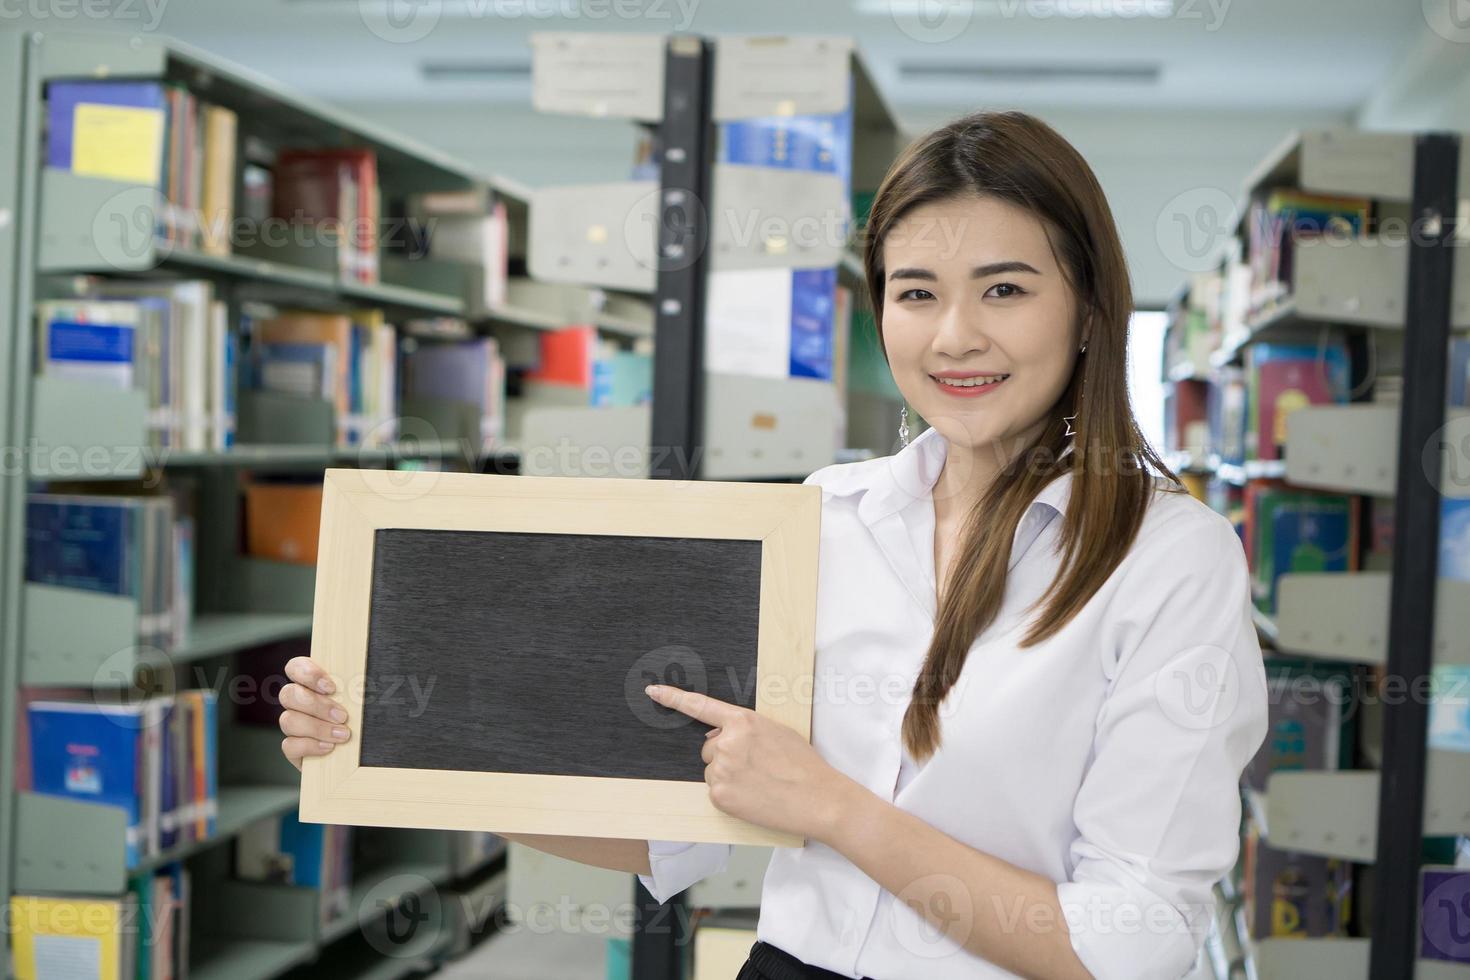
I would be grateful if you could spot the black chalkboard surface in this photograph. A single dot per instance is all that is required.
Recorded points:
(491, 636)
(529, 652)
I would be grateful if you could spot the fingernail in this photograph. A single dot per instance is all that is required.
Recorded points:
(325, 746)
(339, 733)
(338, 714)
(325, 686)
(653, 690)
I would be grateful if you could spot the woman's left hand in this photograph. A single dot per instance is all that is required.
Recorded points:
(760, 770)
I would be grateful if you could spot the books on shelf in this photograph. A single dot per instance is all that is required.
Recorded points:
(468, 227)
(77, 937)
(1276, 222)
(1458, 389)
(164, 901)
(170, 340)
(139, 547)
(1449, 708)
(576, 357)
(283, 850)
(1295, 895)
(622, 378)
(1226, 413)
(1281, 378)
(470, 371)
(157, 134)
(1291, 530)
(333, 195)
(283, 520)
(775, 323)
(1454, 538)
(142, 934)
(349, 360)
(156, 759)
(1311, 721)
(1186, 417)
(566, 357)
(1442, 891)
(95, 342)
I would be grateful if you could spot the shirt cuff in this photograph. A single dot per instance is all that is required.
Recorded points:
(1123, 933)
(676, 865)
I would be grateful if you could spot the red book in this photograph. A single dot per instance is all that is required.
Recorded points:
(566, 357)
(338, 187)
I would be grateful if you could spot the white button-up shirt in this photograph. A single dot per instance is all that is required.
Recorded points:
(1106, 758)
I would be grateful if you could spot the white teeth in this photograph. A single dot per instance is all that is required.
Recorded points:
(971, 382)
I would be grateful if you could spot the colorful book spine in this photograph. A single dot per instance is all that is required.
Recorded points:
(1444, 904)
(90, 752)
(89, 341)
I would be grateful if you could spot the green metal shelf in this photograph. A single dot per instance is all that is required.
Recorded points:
(239, 807)
(431, 873)
(232, 958)
(77, 638)
(215, 633)
(65, 845)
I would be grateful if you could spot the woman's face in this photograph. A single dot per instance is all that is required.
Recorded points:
(973, 293)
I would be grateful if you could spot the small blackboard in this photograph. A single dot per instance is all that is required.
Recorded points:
(491, 637)
(515, 652)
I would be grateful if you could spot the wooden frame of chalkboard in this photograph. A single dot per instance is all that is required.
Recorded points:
(400, 559)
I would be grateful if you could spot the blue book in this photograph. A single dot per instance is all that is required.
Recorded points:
(85, 340)
(283, 850)
(93, 753)
(84, 543)
(232, 360)
(307, 370)
(1454, 539)
(211, 760)
(624, 378)
(817, 142)
(1459, 380)
(457, 370)
(813, 304)
(168, 803)
(1310, 537)
(62, 99)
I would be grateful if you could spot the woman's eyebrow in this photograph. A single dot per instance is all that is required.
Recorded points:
(979, 272)
(996, 268)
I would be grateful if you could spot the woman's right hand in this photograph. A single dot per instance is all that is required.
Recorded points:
(312, 721)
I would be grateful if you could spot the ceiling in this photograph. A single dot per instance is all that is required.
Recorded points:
(931, 55)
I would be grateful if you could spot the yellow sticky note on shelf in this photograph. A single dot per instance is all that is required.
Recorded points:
(118, 142)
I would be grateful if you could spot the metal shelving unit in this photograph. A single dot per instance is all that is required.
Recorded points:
(662, 239)
(55, 227)
(1402, 622)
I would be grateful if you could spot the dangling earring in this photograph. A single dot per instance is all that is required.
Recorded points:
(1069, 419)
(903, 425)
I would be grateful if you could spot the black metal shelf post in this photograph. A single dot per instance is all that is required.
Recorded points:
(1395, 927)
(687, 147)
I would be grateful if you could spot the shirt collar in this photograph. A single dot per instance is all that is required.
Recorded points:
(891, 483)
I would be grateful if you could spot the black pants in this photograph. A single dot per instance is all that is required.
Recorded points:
(769, 962)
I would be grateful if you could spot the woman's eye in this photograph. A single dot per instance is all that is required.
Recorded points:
(912, 294)
(1014, 290)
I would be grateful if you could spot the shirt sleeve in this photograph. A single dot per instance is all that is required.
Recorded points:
(1158, 812)
(676, 865)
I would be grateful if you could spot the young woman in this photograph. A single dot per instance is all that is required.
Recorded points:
(1037, 677)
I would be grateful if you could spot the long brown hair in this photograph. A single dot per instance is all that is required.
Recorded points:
(1017, 158)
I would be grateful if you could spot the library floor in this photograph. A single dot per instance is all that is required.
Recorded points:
(525, 955)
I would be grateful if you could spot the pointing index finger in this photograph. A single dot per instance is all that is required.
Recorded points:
(700, 707)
